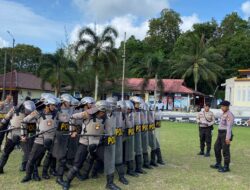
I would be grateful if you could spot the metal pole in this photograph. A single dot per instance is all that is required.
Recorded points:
(12, 59)
(4, 74)
(123, 66)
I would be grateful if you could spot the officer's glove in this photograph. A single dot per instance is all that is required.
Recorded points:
(92, 149)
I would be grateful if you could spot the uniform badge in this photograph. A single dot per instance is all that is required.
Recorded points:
(97, 126)
(49, 122)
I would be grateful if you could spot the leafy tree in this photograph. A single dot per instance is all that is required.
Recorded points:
(97, 50)
(194, 58)
(164, 31)
(58, 70)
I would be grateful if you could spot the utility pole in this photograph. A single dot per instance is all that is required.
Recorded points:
(4, 75)
(123, 65)
(12, 59)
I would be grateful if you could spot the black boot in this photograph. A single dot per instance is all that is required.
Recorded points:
(224, 169)
(159, 157)
(110, 183)
(52, 172)
(207, 154)
(201, 153)
(60, 181)
(215, 166)
(95, 169)
(153, 158)
(29, 170)
(45, 175)
(36, 176)
(120, 170)
(23, 166)
(146, 161)
(3, 161)
(70, 176)
(87, 166)
(138, 165)
(130, 169)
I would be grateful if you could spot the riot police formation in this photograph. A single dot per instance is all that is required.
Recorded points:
(72, 138)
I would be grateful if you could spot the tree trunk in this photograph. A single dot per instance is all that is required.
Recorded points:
(195, 86)
(96, 85)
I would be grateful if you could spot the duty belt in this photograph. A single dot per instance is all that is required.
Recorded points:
(144, 128)
(151, 127)
(137, 128)
(157, 123)
(118, 132)
(31, 128)
(130, 131)
(63, 126)
(2, 115)
(110, 140)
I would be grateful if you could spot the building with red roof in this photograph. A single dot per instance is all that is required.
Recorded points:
(23, 84)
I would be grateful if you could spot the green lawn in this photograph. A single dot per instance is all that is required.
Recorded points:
(184, 169)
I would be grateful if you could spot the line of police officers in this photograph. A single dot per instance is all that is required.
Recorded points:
(78, 136)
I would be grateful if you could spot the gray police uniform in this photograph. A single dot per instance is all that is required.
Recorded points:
(13, 137)
(60, 147)
(87, 144)
(110, 146)
(46, 123)
(224, 132)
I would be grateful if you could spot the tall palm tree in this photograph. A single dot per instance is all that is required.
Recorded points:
(198, 60)
(57, 69)
(98, 49)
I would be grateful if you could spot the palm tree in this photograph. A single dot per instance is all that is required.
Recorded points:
(151, 66)
(98, 49)
(57, 69)
(197, 60)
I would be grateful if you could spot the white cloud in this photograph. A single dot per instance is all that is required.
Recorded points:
(3, 43)
(122, 24)
(188, 21)
(245, 7)
(25, 24)
(102, 10)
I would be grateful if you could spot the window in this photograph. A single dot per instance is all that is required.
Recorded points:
(238, 94)
(248, 99)
(243, 95)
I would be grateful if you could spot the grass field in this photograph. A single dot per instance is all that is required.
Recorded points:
(184, 170)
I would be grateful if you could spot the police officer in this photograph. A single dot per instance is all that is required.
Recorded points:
(85, 104)
(46, 122)
(205, 120)
(110, 144)
(158, 149)
(61, 142)
(144, 134)
(138, 143)
(15, 115)
(129, 143)
(152, 136)
(120, 127)
(4, 109)
(94, 120)
(225, 136)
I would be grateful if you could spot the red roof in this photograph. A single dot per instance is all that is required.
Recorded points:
(170, 85)
(22, 80)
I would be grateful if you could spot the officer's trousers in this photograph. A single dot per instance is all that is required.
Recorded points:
(205, 137)
(36, 153)
(219, 145)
